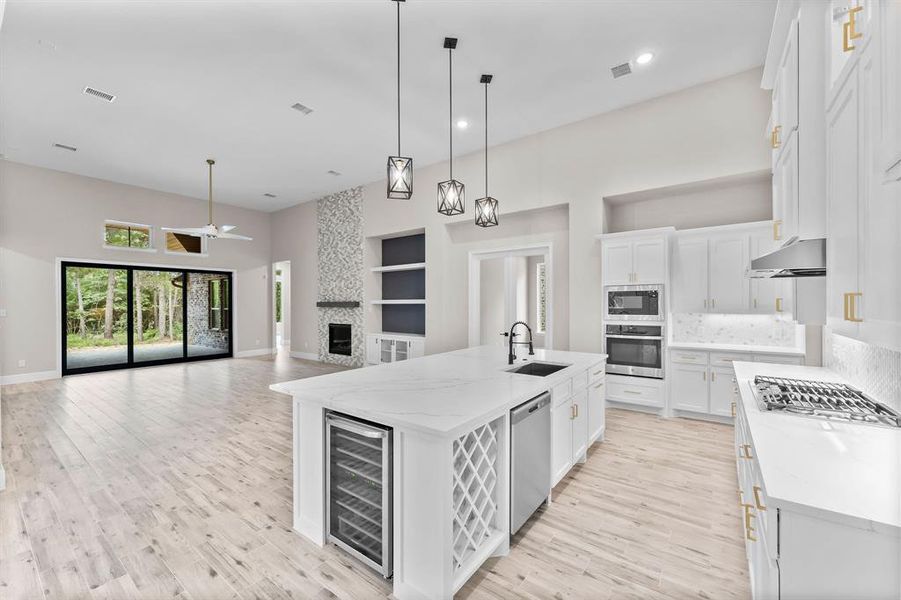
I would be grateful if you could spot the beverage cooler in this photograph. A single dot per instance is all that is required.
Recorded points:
(358, 503)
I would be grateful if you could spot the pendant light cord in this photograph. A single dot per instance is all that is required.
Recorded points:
(398, 77)
(450, 118)
(486, 139)
(210, 194)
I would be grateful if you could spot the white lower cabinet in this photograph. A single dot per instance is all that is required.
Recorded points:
(642, 391)
(577, 419)
(723, 392)
(384, 348)
(688, 386)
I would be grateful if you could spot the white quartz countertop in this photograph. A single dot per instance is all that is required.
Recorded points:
(712, 347)
(830, 467)
(440, 394)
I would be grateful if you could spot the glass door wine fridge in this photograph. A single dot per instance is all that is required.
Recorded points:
(359, 456)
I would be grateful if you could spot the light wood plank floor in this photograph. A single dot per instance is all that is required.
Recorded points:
(175, 482)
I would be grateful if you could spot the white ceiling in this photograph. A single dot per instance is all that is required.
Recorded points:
(217, 79)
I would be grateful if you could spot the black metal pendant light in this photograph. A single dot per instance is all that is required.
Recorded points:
(486, 208)
(450, 192)
(400, 168)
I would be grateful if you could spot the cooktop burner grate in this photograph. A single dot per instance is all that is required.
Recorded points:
(822, 399)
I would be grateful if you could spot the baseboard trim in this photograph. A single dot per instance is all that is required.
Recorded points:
(305, 355)
(28, 377)
(257, 352)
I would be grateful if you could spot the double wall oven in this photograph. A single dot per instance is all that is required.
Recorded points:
(635, 349)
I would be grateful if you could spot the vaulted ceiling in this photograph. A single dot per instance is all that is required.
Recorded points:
(217, 79)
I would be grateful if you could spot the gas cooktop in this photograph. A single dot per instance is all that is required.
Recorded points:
(822, 399)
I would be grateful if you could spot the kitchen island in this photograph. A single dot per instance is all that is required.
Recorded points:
(451, 450)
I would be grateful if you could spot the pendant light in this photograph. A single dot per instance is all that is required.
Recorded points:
(486, 208)
(450, 192)
(400, 168)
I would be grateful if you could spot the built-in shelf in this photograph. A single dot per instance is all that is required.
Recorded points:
(407, 267)
(404, 301)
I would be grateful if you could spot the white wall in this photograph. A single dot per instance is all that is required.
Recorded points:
(46, 215)
(492, 300)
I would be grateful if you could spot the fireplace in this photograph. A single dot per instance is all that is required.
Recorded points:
(339, 340)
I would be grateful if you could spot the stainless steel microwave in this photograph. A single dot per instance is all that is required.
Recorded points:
(634, 303)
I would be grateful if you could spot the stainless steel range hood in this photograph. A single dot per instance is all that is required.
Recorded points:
(796, 258)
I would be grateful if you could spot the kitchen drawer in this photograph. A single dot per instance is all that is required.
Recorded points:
(779, 359)
(580, 381)
(689, 357)
(562, 391)
(596, 373)
(725, 359)
(635, 390)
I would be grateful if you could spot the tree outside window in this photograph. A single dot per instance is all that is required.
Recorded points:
(218, 300)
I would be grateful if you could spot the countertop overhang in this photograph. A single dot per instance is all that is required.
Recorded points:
(845, 471)
(440, 394)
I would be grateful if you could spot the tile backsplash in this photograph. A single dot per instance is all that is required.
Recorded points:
(873, 369)
(759, 330)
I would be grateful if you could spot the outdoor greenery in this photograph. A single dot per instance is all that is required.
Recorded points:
(96, 307)
(125, 236)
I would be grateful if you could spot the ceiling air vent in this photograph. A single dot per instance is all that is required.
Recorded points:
(98, 94)
(65, 147)
(269, 195)
(621, 70)
(300, 107)
(333, 173)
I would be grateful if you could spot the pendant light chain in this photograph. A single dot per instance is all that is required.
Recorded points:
(210, 162)
(486, 139)
(398, 78)
(450, 115)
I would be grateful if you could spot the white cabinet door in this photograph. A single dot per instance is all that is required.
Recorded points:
(844, 48)
(764, 292)
(617, 262)
(842, 197)
(386, 350)
(890, 23)
(688, 387)
(580, 425)
(596, 410)
(728, 285)
(649, 261)
(689, 293)
(373, 349)
(562, 447)
(722, 391)
(401, 349)
(788, 86)
(416, 348)
(785, 188)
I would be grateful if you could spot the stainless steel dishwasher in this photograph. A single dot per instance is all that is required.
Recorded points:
(530, 463)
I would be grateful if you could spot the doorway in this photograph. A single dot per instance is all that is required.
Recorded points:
(510, 285)
(281, 308)
(120, 316)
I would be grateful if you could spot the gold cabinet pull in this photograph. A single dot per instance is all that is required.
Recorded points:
(778, 304)
(713, 303)
(576, 406)
(849, 29)
(760, 505)
(777, 229)
(713, 376)
(749, 529)
(572, 412)
(601, 384)
(704, 375)
(852, 307)
(775, 142)
(631, 392)
(733, 410)
(746, 451)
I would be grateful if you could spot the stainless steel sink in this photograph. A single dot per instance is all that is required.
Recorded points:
(538, 369)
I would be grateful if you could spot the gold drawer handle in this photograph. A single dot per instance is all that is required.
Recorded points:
(576, 406)
(850, 307)
(601, 384)
(599, 372)
(746, 451)
(749, 529)
(632, 392)
(849, 30)
(777, 229)
(733, 410)
(760, 505)
(775, 142)
(778, 304)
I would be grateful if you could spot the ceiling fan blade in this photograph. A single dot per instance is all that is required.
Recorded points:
(227, 228)
(195, 231)
(233, 236)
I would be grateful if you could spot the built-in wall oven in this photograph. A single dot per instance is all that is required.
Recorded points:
(635, 349)
(634, 303)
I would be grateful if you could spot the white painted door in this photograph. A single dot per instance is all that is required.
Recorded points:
(416, 347)
(386, 350)
(580, 424)
(764, 291)
(373, 349)
(649, 261)
(689, 290)
(842, 197)
(617, 261)
(562, 448)
(728, 284)
(596, 410)
(688, 387)
(785, 182)
(722, 391)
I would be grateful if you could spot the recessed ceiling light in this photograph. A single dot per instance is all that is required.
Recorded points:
(462, 124)
(645, 58)
(269, 195)
(300, 107)
(65, 147)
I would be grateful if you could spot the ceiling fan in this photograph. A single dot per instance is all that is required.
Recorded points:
(209, 231)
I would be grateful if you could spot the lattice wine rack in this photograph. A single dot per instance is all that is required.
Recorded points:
(475, 490)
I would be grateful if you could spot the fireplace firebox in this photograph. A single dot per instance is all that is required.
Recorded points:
(339, 339)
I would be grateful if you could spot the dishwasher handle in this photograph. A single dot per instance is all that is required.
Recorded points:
(529, 407)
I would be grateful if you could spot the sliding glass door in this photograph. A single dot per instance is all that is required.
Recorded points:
(118, 316)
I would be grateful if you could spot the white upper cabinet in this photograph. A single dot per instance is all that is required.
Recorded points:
(843, 200)
(638, 259)
(728, 261)
(689, 289)
(764, 292)
(849, 32)
(890, 30)
(785, 94)
(785, 191)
